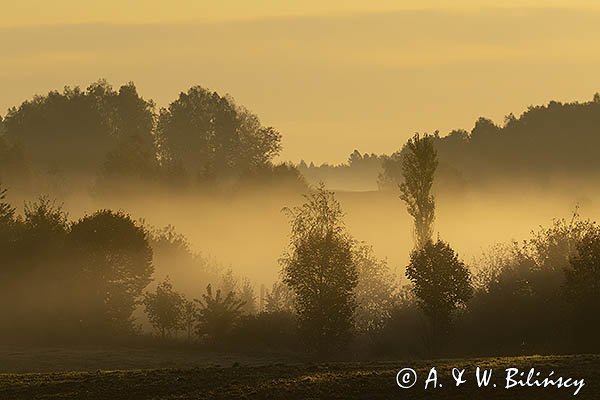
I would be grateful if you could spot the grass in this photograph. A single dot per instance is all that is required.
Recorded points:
(142, 374)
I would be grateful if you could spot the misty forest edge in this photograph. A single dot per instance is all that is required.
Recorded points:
(88, 280)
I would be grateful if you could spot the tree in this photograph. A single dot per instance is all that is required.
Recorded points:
(42, 240)
(441, 284)
(134, 159)
(115, 263)
(213, 139)
(188, 318)
(582, 288)
(583, 273)
(165, 308)
(73, 131)
(375, 291)
(173, 256)
(248, 297)
(418, 169)
(279, 299)
(217, 314)
(229, 283)
(515, 282)
(37, 268)
(320, 269)
(7, 212)
(14, 166)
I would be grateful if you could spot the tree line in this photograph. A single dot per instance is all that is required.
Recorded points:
(116, 140)
(538, 296)
(542, 145)
(84, 280)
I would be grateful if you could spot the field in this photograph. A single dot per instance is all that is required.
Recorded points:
(182, 374)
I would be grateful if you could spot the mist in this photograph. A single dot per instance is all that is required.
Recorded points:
(249, 233)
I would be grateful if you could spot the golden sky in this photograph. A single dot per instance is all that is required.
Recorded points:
(36, 12)
(343, 75)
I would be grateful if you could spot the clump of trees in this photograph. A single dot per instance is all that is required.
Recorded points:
(84, 280)
(78, 280)
(64, 280)
(530, 287)
(65, 140)
(491, 153)
(214, 140)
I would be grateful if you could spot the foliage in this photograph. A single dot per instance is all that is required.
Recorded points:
(173, 256)
(80, 127)
(165, 308)
(188, 317)
(320, 269)
(583, 276)
(582, 289)
(70, 281)
(229, 283)
(493, 152)
(7, 212)
(375, 291)
(114, 260)
(115, 142)
(217, 314)
(14, 166)
(418, 169)
(279, 299)
(212, 138)
(247, 296)
(519, 282)
(441, 284)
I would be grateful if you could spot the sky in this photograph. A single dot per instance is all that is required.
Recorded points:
(331, 76)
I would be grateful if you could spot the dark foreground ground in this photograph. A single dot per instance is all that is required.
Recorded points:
(252, 378)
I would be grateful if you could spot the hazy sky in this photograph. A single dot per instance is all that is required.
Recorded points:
(331, 76)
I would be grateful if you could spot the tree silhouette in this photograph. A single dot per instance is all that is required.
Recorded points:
(212, 138)
(320, 269)
(583, 274)
(582, 287)
(188, 318)
(418, 169)
(375, 291)
(441, 283)
(36, 267)
(248, 296)
(165, 308)
(217, 314)
(7, 212)
(7, 238)
(14, 166)
(115, 264)
(279, 299)
(73, 132)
